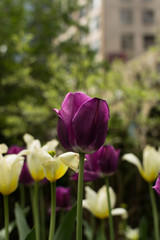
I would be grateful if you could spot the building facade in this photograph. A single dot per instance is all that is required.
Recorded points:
(120, 28)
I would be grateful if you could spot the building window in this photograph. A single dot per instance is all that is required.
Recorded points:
(148, 40)
(126, 16)
(148, 17)
(127, 41)
(94, 24)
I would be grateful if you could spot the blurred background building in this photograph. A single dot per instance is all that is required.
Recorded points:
(120, 28)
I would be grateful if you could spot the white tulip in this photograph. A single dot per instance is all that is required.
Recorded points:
(150, 167)
(33, 161)
(10, 169)
(97, 203)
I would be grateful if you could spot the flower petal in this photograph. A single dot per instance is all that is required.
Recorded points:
(90, 202)
(92, 161)
(69, 107)
(43, 156)
(88, 176)
(112, 197)
(71, 104)
(157, 186)
(108, 159)
(50, 146)
(97, 203)
(129, 157)
(11, 166)
(119, 211)
(132, 234)
(54, 169)
(102, 206)
(3, 148)
(62, 132)
(15, 173)
(71, 160)
(35, 166)
(90, 194)
(90, 125)
(28, 139)
(151, 163)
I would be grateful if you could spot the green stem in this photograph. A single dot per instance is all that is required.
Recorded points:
(80, 197)
(102, 232)
(42, 214)
(53, 211)
(111, 230)
(22, 195)
(155, 212)
(32, 202)
(93, 223)
(36, 211)
(6, 217)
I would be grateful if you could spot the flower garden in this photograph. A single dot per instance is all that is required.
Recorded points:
(80, 138)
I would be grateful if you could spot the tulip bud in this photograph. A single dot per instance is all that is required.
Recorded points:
(100, 164)
(82, 123)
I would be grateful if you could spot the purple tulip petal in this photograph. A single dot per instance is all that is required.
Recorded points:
(25, 177)
(62, 132)
(69, 107)
(92, 162)
(90, 125)
(82, 123)
(88, 176)
(14, 149)
(157, 186)
(108, 159)
(63, 198)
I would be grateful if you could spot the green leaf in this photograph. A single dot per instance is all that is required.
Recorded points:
(11, 227)
(88, 230)
(100, 235)
(143, 227)
(31, 235)
(65, 230)
(23, 228)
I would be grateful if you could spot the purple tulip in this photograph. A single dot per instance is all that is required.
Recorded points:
(14, 149)
(104, 162)
(108, 159)
(82, 123)
(25, 177)
(63, 198)
(157, 186)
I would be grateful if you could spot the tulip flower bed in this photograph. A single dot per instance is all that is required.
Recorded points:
(74, 207)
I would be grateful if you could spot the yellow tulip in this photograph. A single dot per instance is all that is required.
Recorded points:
(10, 169)
(34, 164)
(97, 203)
(150, 167)
(55, 167)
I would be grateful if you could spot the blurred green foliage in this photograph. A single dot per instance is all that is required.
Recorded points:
(36, 69)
